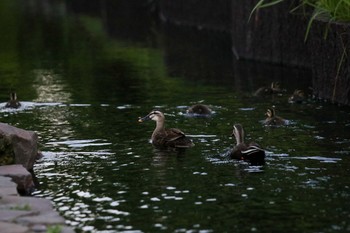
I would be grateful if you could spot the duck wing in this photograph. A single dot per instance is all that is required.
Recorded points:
(173, 134)
(254, 154)
(171, 137)
(236, 152)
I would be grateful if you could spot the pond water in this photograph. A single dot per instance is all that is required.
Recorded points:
(85, 73)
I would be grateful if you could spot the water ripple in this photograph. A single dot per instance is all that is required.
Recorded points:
(80, 143)
(320, 158)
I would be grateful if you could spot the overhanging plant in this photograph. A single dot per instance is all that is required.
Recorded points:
(330, 10)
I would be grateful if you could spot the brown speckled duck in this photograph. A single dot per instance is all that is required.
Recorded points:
(274, 88)
(272, 118)
(162, 137)
(297, 97)
(199, 109)
(251, 152)
(13, 102)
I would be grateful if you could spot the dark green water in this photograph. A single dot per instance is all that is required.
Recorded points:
(86, 72)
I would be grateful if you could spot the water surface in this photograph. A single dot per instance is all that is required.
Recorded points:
(84, 78)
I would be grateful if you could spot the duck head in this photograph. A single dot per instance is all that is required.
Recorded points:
(270, 112)
(13, 96)
(275, 85)
(238, 132)
(154, 116)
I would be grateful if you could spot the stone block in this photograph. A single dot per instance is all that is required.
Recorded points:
(20, 176)
(7, 187)
(12, 228)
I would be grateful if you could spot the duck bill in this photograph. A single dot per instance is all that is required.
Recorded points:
(145, 118)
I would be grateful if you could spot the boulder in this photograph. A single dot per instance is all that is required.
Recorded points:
(18, 146)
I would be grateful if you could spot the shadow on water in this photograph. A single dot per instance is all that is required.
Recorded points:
(89, 69)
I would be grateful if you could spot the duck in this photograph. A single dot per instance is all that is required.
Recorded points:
(162, 137)
(200, 109)
(272, 118)
(274, 88)
(297, 97)
(13, 102)
(251, 152)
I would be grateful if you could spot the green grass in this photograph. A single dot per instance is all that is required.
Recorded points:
(330, 10)
(54, 229)
(334, 10)
(21, 207)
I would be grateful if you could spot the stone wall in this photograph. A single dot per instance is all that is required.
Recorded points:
(330, 63)
(273, 35)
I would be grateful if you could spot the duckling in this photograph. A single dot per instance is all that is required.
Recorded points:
(297, 97)
(199, 109)
(272, 118)
(13, 102)
(162, 137)
(251, 152)
(274, 88)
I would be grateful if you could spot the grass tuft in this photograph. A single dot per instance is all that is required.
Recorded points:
(54, 229)
(334, 10)
(331, 10)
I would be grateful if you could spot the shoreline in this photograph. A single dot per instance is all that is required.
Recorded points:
(25, 214)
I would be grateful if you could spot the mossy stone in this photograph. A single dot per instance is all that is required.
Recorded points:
(7, 155)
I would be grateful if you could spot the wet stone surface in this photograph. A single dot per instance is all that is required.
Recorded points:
(19, 214)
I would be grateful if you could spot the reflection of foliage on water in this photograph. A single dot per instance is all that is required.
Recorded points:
(78, 48)
(9, 65)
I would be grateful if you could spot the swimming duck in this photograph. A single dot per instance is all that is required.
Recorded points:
(251, 152)
(297, 97)
(272, 118)
(274, 88)
(13, 102)
(162, 137)
(199, 109)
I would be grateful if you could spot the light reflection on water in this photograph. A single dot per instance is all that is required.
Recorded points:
(104, 183)
(103, 175)
(49, 86)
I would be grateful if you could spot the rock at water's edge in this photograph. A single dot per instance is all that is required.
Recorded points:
(23, 144)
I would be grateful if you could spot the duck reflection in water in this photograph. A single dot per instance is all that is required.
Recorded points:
(13, 102)
(166, 138)
(251, 152)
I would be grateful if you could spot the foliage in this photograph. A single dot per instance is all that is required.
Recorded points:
(331, 10)
(334, 10)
